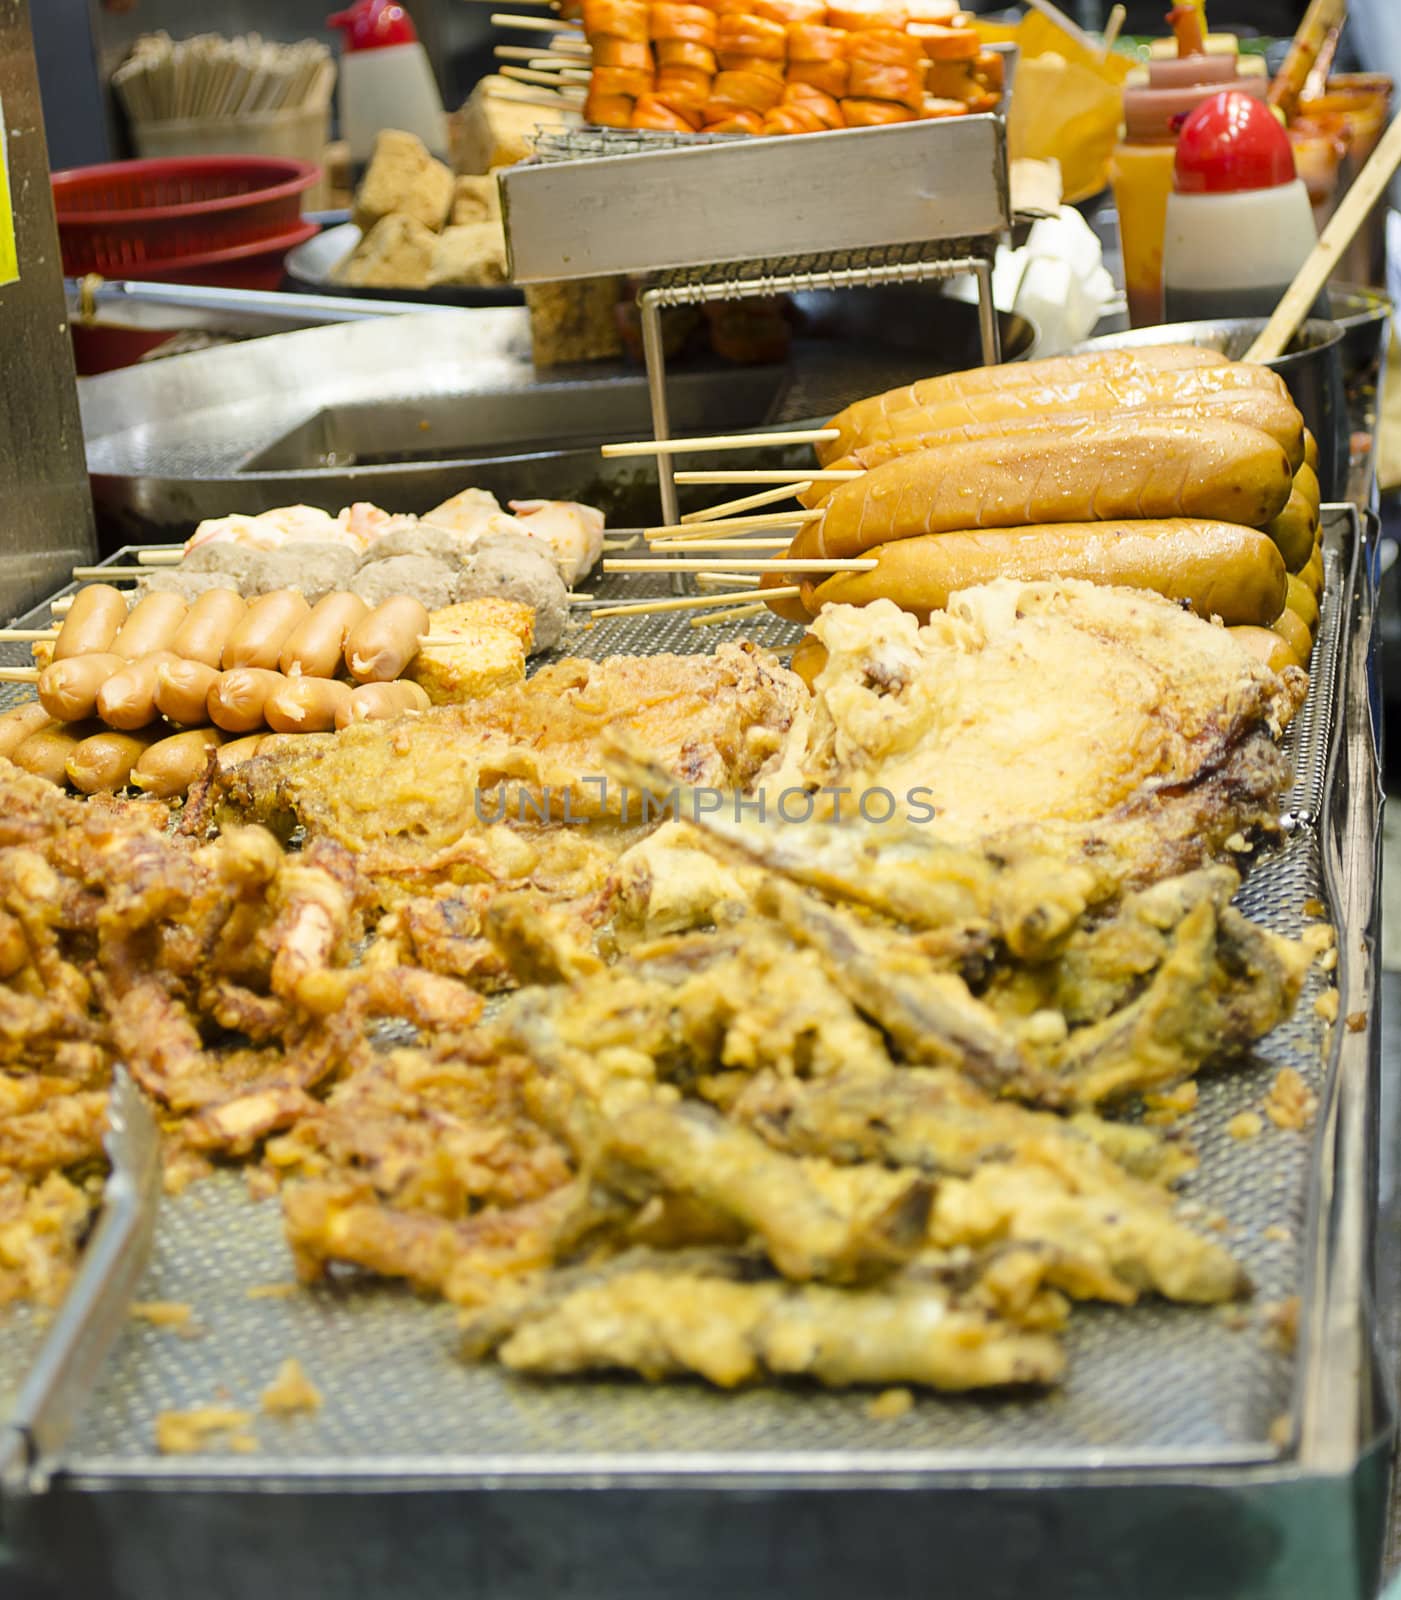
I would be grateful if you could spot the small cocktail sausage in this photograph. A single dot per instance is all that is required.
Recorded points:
(68, 689)
(46, 752)
(383, 643)
(206, 629)
(93, 622)
(235, 751)
(237, 698)
(102, 764)
(127, 700)
(170, 766)
(17, 725)
(376, 702)
(258, 638)
(182, 690)
(314, 647)
(305, 705)
(152, 625)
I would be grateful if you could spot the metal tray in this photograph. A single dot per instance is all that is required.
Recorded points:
(1186, 1456)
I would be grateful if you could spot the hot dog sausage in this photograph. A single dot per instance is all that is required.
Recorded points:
(103, 763)
(257, 639)
(382, 644)
(315, 646)
(305, 705)
(1306, 484)
(1084, 393)
(182, 690)
(1293, 530)
(1312, 573)
(206, 629)
(1220, 471)
(1104, 367)
(17, 724)
(1292, 628)
(127, 700)
(152, 625)
(45, 752)
(1310, 450)
(237, 698)
(809, 658)
(68, 689)
(1256, 408)
(377, 702)
(1301, 602)
(168, 767)
(1218, 568)
(1266, 646)
(235, 751)
(93, 622)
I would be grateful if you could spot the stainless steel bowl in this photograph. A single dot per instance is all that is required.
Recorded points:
(1312, 367)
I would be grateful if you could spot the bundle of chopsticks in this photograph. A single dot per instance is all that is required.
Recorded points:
(750, 542)
(209, 77)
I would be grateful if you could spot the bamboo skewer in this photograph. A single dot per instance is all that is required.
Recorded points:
(719, 544)
(26, 674)
(719, 441)
(723, 580)
(534, 97)
(80, 574)
(155, 557)
(26, 635)
(749, 564)
(533, 56)
(793, 475)
(565, 77)
(692, 602)
(765, 497)
(763, 519)
(505, 19)
(734, 614)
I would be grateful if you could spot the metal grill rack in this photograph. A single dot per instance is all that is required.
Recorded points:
(702, 218)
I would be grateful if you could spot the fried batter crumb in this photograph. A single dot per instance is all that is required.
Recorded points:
(1234, 1317)
(889, 1404)
(1315, 908)
(272, 1291)
(1326, 1005)
(290, 1391)
(1328, 961)
(1356, 1021)
(174, 1314)
(1276, 1233)
(1281, 1319)
(1282, 1431)
(183, 1433)
(1290, 1102)
(1168, 1107)
(1318, 937)
(1245, 1125)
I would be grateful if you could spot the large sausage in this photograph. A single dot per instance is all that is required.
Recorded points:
(168, 767)
(68, 689)
(1306, 484)
(315, 646)
(94, 620)
(382, 644)
(127, 700)
(237, 698)
(1266, 646)
(1220, 471)
(1219, 569)
(151, 625)
(257, 639)
(1104, 365)
(1292, 628)
(1294, 529)
(205, 631)
(1257, 408)
(17, 724)
(1085, 394)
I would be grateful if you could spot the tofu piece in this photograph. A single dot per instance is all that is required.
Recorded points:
(574, 321)
(403, 178)
(469, 256)
(397, 253)
(496, 636)
(476, 200)
(491, 132)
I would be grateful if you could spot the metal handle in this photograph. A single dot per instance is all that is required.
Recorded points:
(96, 1306)
(177, 306)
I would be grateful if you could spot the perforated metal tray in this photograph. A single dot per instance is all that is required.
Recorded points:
(1159, 1398)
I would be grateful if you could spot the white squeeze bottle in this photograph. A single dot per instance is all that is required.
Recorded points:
(386, 79)
(1239, 223)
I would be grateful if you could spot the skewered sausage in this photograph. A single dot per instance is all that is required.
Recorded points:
(93, 622)
(1216, 567)
(206, 629)
(1220, 471)
(382, 644)
(68, 689)
(167, 768)
(18, 723)
(233, 752)
(46, 751)
(103, 763)
(315, 646)
(238, 696)
(1293, 531)
(182, 690)
(127, 700)
(305, 705)
(1292, 628)
(1266, 646)
(376, 702)
(265, 627)
(151, 625)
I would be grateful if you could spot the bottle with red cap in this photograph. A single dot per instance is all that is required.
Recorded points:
(1239, 223)
(386, 79)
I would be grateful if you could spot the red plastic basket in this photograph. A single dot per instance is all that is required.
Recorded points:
(119, 218)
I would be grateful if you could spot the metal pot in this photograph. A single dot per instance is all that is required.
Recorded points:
(1364, 315)
(1312, 367)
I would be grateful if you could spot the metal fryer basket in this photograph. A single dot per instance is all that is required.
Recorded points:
(1154, 1389)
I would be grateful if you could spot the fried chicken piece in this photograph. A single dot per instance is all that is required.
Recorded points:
(63, 1129)
(662, 1323)
(41, 1229)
